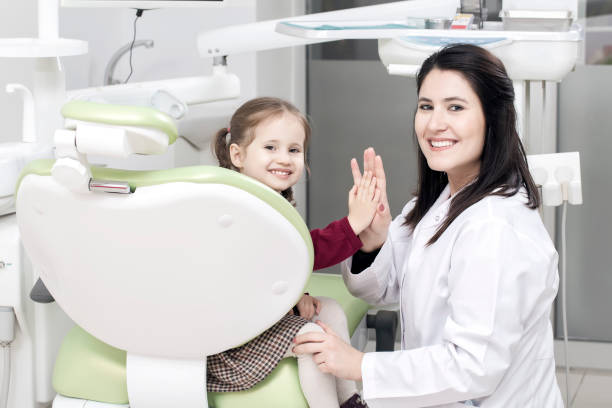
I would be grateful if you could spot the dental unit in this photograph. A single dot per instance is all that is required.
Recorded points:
(133, 270)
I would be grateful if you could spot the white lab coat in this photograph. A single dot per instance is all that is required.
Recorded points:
(474, 309)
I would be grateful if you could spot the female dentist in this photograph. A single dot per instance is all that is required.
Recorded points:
(469, 261)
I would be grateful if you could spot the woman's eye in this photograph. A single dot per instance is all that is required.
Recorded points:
(456, 108)
(425, 107)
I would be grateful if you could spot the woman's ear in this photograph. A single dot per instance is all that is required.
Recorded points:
(236, 155)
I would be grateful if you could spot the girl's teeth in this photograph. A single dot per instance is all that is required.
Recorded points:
(442, 144)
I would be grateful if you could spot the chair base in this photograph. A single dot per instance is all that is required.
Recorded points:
(65, 402)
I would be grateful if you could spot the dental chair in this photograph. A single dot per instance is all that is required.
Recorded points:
(159, 269)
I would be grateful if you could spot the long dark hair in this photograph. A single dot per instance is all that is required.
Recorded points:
(242, 130)
(503, 164)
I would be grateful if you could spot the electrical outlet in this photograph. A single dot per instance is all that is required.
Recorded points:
(559, 176)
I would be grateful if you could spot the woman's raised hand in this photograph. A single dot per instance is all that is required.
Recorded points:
(374, 236)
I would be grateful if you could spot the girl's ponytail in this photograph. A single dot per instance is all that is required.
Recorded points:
(220, 147)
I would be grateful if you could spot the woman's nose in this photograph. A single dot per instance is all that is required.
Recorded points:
(437, 120)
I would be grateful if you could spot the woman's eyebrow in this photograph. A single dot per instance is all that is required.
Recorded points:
(449, 99)
(455, 98)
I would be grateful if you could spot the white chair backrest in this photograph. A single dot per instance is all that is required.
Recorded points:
(176, 270)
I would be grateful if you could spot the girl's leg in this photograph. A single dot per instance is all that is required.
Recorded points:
(318, 388)
(333, 316)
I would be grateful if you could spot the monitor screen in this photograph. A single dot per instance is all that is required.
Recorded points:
(143, 4)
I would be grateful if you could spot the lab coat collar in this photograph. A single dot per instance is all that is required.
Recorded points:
(438, 211)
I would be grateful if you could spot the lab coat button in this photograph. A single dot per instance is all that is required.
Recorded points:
(437, 218)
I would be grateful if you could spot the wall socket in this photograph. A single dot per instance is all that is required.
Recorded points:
(559, 176)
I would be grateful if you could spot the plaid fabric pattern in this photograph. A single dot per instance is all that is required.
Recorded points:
(242, 367)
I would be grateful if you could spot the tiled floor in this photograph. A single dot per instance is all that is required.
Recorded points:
(588, 388)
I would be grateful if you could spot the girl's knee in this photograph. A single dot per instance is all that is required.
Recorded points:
(310, 327)
(330, 307)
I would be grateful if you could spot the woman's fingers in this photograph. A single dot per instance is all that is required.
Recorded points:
(310, 337)
(381, 181)
(308, 348)
(379, 170)
(319, 358)
(369, 159)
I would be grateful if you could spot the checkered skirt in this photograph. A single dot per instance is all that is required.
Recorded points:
(242, 367)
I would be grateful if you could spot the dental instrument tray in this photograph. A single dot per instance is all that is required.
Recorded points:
(347, 29)
(536, 20)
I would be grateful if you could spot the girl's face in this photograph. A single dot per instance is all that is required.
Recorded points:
(450, 126)
(275, 157)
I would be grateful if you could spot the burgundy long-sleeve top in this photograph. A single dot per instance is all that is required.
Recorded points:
(334, 243)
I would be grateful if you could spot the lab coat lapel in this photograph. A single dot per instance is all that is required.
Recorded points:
(438, 211)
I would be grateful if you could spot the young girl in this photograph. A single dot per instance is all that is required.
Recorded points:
(267, 140)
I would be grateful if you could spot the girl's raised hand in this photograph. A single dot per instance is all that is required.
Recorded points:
(362, 202)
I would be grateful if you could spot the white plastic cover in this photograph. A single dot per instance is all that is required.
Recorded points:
(178, 270)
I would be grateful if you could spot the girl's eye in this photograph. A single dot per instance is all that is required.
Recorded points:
(295, 150)
(425, 107)
(269, 147)
(456, 108)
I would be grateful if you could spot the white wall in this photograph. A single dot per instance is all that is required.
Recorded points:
(17, 19)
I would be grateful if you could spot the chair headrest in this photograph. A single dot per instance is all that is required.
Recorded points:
(121, 115)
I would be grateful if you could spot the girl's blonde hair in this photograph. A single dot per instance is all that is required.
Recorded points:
(242, 130)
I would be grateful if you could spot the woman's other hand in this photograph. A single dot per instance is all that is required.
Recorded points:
(308, 306)
(375, 235)
(331, 354)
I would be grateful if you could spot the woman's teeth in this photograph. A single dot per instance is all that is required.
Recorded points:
(280, 172)
(444, 143)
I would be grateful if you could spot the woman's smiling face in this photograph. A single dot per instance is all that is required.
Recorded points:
(450, 126)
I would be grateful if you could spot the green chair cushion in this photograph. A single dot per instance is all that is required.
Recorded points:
(124, 115)
(89, 369)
